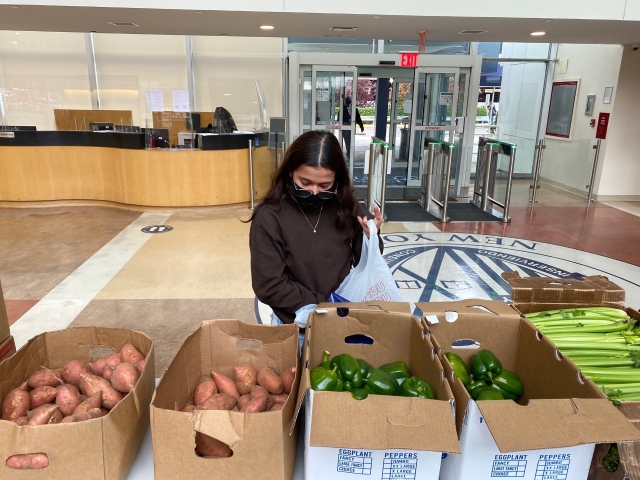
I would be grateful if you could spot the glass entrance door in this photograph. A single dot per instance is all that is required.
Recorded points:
(333, 105)
(399, 129)
(433, 114)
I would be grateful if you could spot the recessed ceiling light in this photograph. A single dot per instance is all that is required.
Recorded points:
(15, 43)
(227, 94)
(377, 16)
(266, 27)
(343, 29)
(17, 33)
(472, 32)
(123, 24)
(537, 34)
(548, 20)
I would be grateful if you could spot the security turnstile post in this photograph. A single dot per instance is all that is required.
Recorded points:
(536, 172)
(428, 174)
(383, 193)
(253, 192)
(370, 194)
(484, 199)
(447, 180)
(507, 198)
(596, 147)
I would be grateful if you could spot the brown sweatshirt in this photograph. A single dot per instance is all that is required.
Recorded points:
(291, 266)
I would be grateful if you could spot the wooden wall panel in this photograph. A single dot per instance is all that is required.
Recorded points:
(264, 167)
(159, 178)
(80, 119)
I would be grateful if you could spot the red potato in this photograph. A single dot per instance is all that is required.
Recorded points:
(282, 398)
(41, 415)
(46, 377)
(130, 354)
(288, 377)
(72, 370)
(93, 401)
(259, 391)
(244, 399)
(219, 401)
(56, 417)
(209, 447)
(140, 365)
(204, 390)
(225, 384)
(125, 377)
(21, 421)
(42, 395)
(29, 461)
(90, 384)
(255, 405)
(189, 408)
(99, 365)
(245, 376)
(16, 404)
(277, 406)
(68, 399)
(270, 380)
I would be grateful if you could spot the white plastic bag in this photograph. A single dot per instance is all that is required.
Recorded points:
(371, 279)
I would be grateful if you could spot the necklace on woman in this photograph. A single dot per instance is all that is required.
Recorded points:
(307, 219)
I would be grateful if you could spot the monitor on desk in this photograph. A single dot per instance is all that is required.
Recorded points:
(101, 127)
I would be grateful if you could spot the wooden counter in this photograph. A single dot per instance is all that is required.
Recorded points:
(159, 178)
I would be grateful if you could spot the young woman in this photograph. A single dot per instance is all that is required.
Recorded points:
(306, 234)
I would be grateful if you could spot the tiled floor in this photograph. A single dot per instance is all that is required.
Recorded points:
(93, 266)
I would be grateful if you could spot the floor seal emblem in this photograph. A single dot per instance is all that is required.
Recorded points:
(157, 229)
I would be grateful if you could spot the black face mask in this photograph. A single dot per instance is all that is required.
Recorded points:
(307, 199)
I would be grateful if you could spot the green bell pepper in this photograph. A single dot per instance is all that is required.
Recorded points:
(397, 370)
(415, 387)
(459, 368)
(365, 368)
(381, 383)
(340, 385)
(475, 386)
(349, 369)
(509, 384)
(489, 394)
(359, 393)
(325, 360)
(324, 380)
(347, 386)
(484, 365)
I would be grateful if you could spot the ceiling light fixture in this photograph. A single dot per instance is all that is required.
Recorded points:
(227, 94)
(266, 27)
(343, 29)
(538, 34)
(17, 33)
(123, 24)
(548, 20)
(15, 43)
(376, 16)
(472, 32)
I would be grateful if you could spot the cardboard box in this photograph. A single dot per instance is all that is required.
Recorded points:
(560, 417)
(102, 448)
(380, 437)
(7, 348)
(263, 444)
(4, 319)
(396, 307)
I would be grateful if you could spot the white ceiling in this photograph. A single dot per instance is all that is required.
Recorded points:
(307, 25)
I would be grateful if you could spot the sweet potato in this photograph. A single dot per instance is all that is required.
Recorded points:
(29, 461)
(270, 380)
(93, 401)
(288, 377)
(81, 417)
(46, 377)
(107, 373)
(244, 399)
(16, 403)
(209, 447)
(130, 354)
(204, 390)
(56, 417)
(276, 407)
(72, 370)
(219, 401)
(41, 415)
(259, 391)
(140, 365)
(225, 384)
(124, 377)
(189, 408)
(282, 398)
(90, 384)
(42, 395)
(245, 376)
(21, 421)
(68, 398)
(99, 365)
(255, 405)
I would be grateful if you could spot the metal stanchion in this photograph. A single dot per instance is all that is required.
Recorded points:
(253, 192)
(540, 147)
(370, 194)
(484, 199)
(447, 180)
(596, 147)
(383, 193)
(507, 198)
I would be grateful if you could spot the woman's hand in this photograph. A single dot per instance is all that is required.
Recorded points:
(377, 218)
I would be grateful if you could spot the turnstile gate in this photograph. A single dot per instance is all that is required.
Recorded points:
(436, 178)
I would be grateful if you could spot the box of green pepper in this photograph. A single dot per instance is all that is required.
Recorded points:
(375, 398)
(520, 406)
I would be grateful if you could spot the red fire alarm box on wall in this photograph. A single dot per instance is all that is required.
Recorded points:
(603, 124)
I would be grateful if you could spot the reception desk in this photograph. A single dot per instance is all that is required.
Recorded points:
(114, 167)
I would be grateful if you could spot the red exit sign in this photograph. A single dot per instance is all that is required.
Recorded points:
(408, 59)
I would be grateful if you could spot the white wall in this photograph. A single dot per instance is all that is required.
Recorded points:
(569, 163)
(620, 176)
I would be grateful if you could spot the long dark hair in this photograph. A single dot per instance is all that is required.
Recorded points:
(321, 150)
